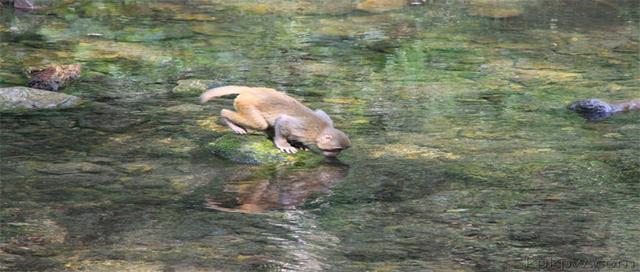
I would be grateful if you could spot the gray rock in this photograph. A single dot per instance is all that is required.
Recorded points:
(72, 168)
(23, 98)
(592, 109)
(24, 4)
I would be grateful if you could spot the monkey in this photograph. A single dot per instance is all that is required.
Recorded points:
(595, 109)
(264, 108)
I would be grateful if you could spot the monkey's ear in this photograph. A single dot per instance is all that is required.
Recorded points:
(324, 116)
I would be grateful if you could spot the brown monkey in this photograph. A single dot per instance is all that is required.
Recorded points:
(292, 122)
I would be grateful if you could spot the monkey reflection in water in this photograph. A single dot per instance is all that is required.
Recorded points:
(284, 191)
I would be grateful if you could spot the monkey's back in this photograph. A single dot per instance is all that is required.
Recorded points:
(272, 103)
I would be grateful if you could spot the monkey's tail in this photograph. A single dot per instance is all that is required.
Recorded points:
(221, 91)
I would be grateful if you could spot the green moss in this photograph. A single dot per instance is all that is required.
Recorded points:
(258, 149)
(192, 86)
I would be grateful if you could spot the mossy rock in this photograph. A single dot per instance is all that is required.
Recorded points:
(258, 149)
(193, 86)
(23, 98)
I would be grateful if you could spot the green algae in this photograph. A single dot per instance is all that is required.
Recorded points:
(253, 149)
(464, 156)
(192, 86)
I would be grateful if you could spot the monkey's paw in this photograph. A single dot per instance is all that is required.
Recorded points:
(288, 149)
(239, 130)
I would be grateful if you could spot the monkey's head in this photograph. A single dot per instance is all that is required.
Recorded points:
(331, 141)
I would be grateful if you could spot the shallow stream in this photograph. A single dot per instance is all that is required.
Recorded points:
(464, 156)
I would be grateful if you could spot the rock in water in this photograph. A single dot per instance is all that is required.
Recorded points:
(594, 109)
(381, 5)
(24, 4)
(20, 98)
(497, 9)
(53, 77)
(192, 86)
(257, 149)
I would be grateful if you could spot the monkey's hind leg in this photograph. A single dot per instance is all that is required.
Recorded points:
(225, 117)
(239, 122)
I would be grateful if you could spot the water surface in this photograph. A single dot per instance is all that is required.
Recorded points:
(464, 157)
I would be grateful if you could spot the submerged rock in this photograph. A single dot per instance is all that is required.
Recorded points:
(53, 77)
(192, 86)
(30, 5)
(411, 152)
(185, 108)
(497, 9)
(70, 168)
(23, 98)
(381, 5)
(24, 4)
(258, 149)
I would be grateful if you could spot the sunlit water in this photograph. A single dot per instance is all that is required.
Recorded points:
(464, 157)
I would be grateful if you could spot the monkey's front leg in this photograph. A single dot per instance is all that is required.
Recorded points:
(282, 130)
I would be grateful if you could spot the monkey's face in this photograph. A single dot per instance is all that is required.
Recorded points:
(332, 141)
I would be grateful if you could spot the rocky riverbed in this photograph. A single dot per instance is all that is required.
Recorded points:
(464, 155)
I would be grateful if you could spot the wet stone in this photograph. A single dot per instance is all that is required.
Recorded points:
(592, 109)
(172, 146)
(185, 108)
(381, 5)
(71, 168)
(192, 86)
(54, 77)
(23, 98)
(258, 149)
(465, 157)
(411, 152)
(138, 168)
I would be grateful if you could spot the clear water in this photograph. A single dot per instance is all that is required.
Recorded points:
(464, 156)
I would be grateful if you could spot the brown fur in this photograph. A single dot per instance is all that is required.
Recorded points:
(265, 108)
